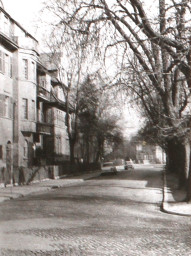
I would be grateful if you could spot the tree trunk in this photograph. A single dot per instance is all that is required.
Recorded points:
(87, 151)
(187, 163)
(86, 144)
(178, 160)
(181, 157)
(189, 183)
(189, 186)
(171, 156)
(99, 153)
(72, 144)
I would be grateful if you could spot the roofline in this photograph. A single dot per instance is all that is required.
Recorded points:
(2, 4)
(54, 80)
(9, 16)
(39, 63)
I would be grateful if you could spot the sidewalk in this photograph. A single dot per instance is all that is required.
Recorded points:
(12, 192)
(174, 198)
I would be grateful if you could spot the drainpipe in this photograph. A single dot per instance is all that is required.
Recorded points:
(12, 146)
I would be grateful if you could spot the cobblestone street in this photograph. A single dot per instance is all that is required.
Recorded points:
(108, 215)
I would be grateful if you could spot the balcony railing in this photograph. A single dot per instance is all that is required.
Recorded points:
(27, 126)
(44, 128)
(10, 42)
(42, 92)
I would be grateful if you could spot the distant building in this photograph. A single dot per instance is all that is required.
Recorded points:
(147, 153)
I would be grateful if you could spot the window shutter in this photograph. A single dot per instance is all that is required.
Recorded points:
(11, 67)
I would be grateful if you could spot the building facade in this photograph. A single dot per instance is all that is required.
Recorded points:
(32, 116)
(147, 153)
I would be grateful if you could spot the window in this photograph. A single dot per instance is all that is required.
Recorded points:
(6, 25)
(6, 65)
(6, 110)
(139, 147)
(33, 72)
(58, 145)
(43, 83)
(11, 67)
(2, 62)
(25, 108)
(25, 68)
(25, 149)
(33, 110)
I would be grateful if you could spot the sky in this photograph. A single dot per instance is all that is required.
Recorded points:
(25, 12)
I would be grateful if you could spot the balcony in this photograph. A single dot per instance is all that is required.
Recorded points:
(44, 128)
(28, 42)
(10, 43)
(43, 93)
(28, 126)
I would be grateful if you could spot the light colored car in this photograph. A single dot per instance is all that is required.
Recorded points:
(108, 167)
(129, 165)
(119, 164)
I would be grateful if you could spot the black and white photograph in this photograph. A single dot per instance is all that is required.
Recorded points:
(95, 128)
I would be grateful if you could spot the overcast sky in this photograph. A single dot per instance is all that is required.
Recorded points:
(25, 12)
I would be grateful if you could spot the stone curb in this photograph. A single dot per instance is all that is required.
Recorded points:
(175, 208)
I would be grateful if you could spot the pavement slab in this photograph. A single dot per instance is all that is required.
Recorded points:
(11, 192)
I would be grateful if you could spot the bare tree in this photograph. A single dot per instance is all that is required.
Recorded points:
(74, 59)
(160, 66)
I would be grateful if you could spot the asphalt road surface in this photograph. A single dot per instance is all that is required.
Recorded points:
(109, 215)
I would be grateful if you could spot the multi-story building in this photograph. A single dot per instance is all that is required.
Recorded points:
(55, 109)
(31, 110)
(147, 153)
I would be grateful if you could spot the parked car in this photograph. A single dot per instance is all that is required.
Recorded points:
(119, 164)
(108, 167)
(129, 165)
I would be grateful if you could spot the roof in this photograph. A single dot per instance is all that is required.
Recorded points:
(15, 22)
(50, 60)
(1, 4)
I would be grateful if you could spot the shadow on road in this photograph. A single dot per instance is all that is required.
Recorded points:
(152, 176)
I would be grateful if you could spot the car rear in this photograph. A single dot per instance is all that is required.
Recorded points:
(107, 167)
(129, 165)
(119, 164)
